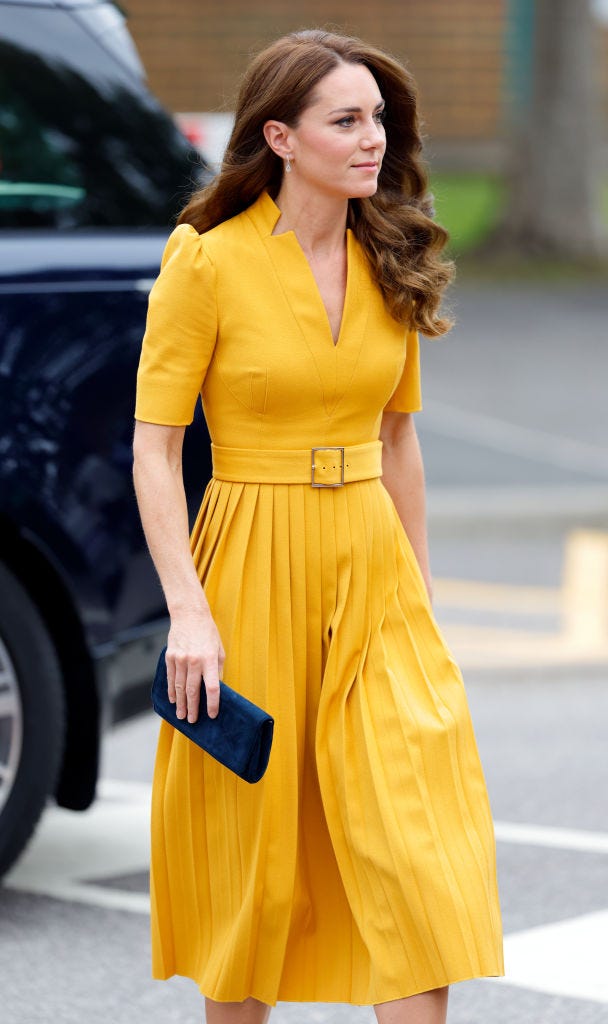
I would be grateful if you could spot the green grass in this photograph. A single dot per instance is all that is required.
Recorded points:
(468, 205)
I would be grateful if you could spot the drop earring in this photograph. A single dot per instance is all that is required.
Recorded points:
(287, 165)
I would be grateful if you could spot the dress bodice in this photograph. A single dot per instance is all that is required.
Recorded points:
(236, 315)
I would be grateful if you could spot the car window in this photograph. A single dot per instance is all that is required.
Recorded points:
(82, 142)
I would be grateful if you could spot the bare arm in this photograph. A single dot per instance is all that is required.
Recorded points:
(194, 648)
(403, 477)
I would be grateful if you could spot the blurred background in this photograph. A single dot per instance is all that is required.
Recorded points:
(514, 432)
(514, 94)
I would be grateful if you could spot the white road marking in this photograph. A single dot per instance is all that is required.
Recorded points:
(111, 838)
(555, 838)
(563, 959)
(124, 790)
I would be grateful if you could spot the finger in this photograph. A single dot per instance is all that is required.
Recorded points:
(193, 691)
(180, 687)
(169, 662)
(212, 687)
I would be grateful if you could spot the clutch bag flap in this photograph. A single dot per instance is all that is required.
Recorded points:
(240, 737)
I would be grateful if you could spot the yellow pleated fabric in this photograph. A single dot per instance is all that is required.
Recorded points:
(361, 868)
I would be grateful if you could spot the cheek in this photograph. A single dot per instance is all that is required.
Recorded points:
(322, 145)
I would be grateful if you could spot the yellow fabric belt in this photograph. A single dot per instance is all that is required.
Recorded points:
(320, 467)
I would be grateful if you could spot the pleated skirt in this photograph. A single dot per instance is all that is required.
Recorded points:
(361, 868)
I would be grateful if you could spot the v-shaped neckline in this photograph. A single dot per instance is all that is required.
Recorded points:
(334, 362)
(271, 214)
(317, 292)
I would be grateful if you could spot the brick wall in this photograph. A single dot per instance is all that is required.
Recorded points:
(195, 50)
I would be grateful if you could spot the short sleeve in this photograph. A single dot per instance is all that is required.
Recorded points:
(407, 397)
(181, 330)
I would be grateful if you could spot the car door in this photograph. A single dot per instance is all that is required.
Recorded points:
(93, 172)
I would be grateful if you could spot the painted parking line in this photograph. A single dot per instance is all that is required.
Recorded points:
(579, 608)
(567, 958)
(494, 649)
(109, 840)
(472, 595)
(583, 841)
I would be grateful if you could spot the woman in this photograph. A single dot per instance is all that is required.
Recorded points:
(361, 868)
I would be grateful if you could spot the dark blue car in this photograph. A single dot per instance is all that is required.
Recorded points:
(92, 174)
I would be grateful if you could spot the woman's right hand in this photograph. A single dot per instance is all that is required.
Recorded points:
(194, 647)
(194, 653)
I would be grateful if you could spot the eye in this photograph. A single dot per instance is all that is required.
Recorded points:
(346, 122)
(380, 116)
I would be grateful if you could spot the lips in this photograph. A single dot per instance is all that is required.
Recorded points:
(371, 165)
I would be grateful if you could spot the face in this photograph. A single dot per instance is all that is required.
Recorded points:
(339, 142)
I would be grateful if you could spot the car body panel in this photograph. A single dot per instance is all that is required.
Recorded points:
(93, 173)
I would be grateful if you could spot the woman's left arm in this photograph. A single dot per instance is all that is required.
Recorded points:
(403, 477)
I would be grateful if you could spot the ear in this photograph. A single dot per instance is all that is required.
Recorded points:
(277, 136)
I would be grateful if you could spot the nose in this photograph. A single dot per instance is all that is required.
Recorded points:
(373, 135)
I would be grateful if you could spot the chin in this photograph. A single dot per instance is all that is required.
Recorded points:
(365, 191)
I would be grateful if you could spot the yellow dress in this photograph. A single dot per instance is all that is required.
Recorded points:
(361, 868)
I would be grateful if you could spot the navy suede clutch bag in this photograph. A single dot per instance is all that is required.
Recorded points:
(239, 738)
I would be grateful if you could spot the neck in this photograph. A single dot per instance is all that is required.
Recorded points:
(319, 222)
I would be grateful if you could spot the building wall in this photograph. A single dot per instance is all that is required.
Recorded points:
(602, 73)
(195, 50)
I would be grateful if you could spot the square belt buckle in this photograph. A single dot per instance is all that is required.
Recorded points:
(327, 448)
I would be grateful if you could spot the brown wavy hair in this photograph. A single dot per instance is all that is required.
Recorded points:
(395, 226)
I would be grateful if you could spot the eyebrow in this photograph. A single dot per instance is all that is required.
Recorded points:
(355, 110)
